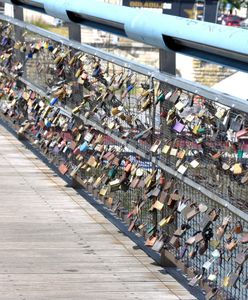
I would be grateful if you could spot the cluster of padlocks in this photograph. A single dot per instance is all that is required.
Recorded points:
(120, 135)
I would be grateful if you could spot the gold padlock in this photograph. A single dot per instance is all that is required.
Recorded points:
(237, 169)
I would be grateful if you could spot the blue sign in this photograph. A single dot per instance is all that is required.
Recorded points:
(228, 6)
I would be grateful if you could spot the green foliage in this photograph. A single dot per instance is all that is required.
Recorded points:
(40, 23)
(234, 3)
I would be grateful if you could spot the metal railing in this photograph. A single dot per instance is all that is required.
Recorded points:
(207, 183)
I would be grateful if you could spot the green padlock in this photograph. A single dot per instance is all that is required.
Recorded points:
(112, 172)
(240, 154)
(151, 229)
(201, 130)
(161, 97)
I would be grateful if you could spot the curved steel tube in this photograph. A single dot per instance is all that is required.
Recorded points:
(212, 42)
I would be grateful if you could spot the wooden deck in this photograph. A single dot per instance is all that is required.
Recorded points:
(55, 245)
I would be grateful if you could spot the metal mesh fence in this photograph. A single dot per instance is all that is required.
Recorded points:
(165, 132)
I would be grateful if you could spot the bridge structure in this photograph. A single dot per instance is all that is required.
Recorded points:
(166, 156)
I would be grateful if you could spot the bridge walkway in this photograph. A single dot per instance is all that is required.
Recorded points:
(55, 245)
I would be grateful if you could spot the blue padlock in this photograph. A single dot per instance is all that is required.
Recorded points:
(130, 87)
(48, 124)
(54, 101)
(50, 48)
(84, 147)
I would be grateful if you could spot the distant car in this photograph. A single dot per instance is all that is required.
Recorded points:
(232, 21)
(220, 18)
(58, 22)
(244, 23)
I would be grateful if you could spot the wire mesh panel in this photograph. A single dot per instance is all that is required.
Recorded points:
(129, 101)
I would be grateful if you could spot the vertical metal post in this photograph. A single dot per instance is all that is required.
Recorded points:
(174, 8)
(153, 111)
(75, 35)
(74, 32)
(18, 14)
(210, 11)
(167, 61)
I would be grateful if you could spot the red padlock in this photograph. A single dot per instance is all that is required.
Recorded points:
(163, 114)
(162, 180)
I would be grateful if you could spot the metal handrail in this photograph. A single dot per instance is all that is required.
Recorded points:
(181, 83)
(203, 40)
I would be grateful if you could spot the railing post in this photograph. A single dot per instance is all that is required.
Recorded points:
(167, 61)
(74, 32)
(210, 11)
(18, 14)
(165, 261)
(74, 183)
(75, 35)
